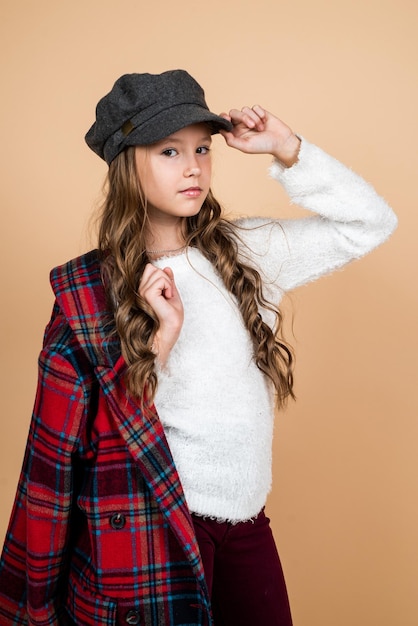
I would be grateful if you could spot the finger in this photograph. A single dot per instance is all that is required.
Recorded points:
(255, 112)
(169, 272)
(238, 117)
(257, 121)
(224, 134)
(262, 113)
(162, 284)
(149, 271)
(154, 283)
(247, 118)
(171, 290)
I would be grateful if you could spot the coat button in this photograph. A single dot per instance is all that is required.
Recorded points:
(132, 617)
(118, 521)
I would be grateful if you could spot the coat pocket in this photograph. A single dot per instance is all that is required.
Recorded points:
(86, 608)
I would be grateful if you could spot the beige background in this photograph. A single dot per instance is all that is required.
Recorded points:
(343, 74)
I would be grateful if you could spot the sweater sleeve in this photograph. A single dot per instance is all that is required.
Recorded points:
(350, 220)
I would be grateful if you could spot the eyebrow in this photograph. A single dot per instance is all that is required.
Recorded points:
(171, 139)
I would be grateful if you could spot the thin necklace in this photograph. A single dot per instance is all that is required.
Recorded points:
(166, 252)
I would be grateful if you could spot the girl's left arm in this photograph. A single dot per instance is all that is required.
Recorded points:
(351, 218)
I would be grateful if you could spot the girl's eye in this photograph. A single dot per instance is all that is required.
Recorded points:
(170, 152)
(203, 150)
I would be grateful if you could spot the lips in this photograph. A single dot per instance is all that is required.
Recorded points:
(192, 192)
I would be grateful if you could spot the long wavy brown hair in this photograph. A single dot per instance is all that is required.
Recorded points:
(122, 233)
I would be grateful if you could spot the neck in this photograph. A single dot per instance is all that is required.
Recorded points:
(165, 240)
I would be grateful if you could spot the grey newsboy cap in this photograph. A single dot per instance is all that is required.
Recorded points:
(144, 108)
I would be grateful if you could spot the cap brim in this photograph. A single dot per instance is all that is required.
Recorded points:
(172, 120)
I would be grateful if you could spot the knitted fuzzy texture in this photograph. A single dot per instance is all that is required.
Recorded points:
(216, 407)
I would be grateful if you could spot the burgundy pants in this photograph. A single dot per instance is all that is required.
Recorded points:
(243, 572)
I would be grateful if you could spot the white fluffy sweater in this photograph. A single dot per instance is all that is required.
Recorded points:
(216, 407)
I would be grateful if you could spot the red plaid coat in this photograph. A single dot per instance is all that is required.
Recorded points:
(100, 533)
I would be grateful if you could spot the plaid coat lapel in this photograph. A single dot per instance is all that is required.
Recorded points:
(81, 297)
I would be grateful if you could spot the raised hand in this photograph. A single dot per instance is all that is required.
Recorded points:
(257, 131)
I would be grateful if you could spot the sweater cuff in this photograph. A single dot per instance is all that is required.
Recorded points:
(277, 170)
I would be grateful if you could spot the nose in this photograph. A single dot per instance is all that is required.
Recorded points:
(192, 168)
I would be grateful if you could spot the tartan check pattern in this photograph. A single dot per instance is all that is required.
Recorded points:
(100, 533)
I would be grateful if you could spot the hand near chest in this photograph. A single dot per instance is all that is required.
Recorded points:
(159, 289)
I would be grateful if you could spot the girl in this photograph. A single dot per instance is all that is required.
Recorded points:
(148, 464)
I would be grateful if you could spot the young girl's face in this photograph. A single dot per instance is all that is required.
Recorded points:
(175, 173)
